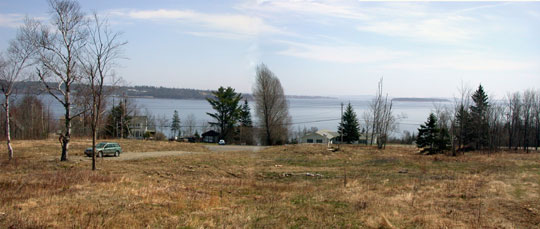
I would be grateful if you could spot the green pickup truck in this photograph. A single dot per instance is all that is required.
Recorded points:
(105, 148)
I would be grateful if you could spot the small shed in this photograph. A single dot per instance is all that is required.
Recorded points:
(210, 136)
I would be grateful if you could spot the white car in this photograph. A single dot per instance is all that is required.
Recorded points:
(221, 142)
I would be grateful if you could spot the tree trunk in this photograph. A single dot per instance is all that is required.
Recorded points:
(66, 137)
(94, 147)
(8, 135)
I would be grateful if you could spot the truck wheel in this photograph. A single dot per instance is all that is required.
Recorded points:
(116, 154)
(100, 154)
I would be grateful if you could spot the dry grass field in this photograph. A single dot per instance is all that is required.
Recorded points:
(299, 186)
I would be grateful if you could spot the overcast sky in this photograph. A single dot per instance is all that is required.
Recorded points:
(421, 49)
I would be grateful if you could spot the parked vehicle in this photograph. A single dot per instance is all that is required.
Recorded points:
(221, 142)
(105, 148)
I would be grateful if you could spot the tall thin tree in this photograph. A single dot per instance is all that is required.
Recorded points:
(17, 59)
(272, 108)
(98, 61)
(59, 48)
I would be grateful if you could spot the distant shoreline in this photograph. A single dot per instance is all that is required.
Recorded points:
(407, 99)
(151, 92)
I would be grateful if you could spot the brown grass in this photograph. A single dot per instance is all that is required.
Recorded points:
(358, 187)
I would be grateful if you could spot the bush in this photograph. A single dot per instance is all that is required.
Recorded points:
(160, 136)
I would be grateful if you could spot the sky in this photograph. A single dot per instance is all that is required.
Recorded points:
(327, 48)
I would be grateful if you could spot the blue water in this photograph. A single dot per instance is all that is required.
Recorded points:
(320, 113)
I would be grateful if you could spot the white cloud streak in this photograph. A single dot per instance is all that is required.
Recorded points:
(339, 53)
(11, 20)
(334, 8)
(229, 25)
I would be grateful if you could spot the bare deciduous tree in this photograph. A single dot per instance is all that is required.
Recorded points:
(17, 59)
(59, 48)
(189, 125)
(271, 107)
(162, 122)
(383, 120)
(98, 61)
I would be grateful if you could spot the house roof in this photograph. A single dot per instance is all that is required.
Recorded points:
(210, 133)
(324, 133)
(327, 133)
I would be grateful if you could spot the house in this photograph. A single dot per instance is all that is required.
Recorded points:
(321, 136)
(325, 136)
(138, 126)
(210, 136)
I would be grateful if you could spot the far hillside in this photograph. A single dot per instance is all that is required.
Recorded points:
(152, 92)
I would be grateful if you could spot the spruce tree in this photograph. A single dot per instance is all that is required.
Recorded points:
(432, 138)
(349, 126)
(427, 134)
(175, 124)
(442, 141)
(245, 115)
(478, 118)
(462, 128)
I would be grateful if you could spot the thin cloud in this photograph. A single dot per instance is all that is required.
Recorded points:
(237, 25)
(11, 20)
(466, 62)
(338, 9)
(448, 29)
(339, 53)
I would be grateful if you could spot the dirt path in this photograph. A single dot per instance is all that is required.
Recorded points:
(139, 155)
(230, 148)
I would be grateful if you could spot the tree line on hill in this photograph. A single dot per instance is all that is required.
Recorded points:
(476, 122)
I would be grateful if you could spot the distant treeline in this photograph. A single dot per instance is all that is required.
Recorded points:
(149, 91)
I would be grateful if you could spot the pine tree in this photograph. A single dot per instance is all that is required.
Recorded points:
(478, 118)
(427, 134)
(245, 115)
(432, 138)
(245, 130)
(462, 128)
(443, 140)
(225, 103)
(175, 124)
(349, 126)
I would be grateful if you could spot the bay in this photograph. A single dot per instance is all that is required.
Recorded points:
(320, 113)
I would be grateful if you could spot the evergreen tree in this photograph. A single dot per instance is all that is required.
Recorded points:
(478, 118)
(443, 140)
(462, 128)
(432, 138)
(245, 130)
(349, 126)
(427, 134)
(117, 122)
(175, 124)
(225, 103)
(245, 115)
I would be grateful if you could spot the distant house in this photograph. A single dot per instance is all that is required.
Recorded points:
(325, 136)
(138, 126)
(210, 136)
(321, 136)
